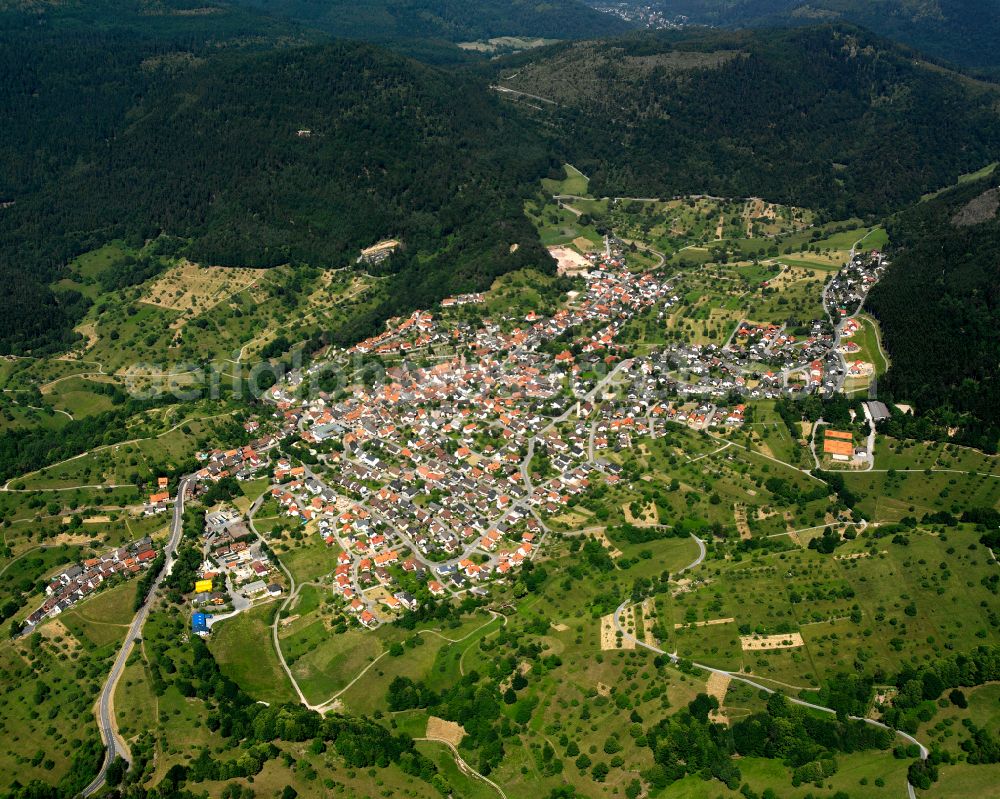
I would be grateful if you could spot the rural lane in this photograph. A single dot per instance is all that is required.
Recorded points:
(114, 745)
(674, 658)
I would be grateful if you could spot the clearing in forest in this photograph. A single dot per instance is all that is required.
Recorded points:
(609, 638)
(193, 289)
(718, 686)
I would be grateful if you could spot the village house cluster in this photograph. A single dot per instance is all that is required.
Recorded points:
(235, 562)
(439, 477)
(83, 579)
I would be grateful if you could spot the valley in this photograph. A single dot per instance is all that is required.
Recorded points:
(414, 499)
(428, 399)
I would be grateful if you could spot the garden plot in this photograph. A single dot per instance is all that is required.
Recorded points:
(755, 643)
(193, 289)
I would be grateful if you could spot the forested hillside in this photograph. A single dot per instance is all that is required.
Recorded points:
(69, 76)
(939, 307)
(964, 32)
(205, 147)
(449, 20)
(828, 117)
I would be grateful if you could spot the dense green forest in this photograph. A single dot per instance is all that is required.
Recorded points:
(69, 76)
(939, 307)
(125, 123)
(964, 32)
(827, 117)
(205, 147)
(448, 20)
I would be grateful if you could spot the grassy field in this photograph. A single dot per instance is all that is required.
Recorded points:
(855, 776)
(895, 454)
(102, 619)
(77, 397)
(164, 440)
(962, 780)
(245, 653)
(429, 655)
(817, 595)
(308, 559)
(969, 177)
(574, 182)
(889, 497)
(323, 662)
(50, 683)
(947, 729)
(465, 786)
(868, 339)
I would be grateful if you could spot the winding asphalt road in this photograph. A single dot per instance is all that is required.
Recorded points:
(114, 745)
(674, 658)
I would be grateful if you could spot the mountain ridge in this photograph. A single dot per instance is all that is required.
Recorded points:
(827, 117)
(963, 32)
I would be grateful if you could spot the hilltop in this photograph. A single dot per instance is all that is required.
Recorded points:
(252, 156)
(829, 117)
(448, 20)
(939, 309)
(963, 32)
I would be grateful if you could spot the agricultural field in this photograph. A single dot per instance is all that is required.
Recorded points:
(157, 321)
(893, 495)
(574, 182)
(164, 439)
(872, 605)
(769, 435)
(303, 552)
(697, 479)
(558, 225)
(518, 293)
(103, 618)
(868, 775)
(243, 649)
(920, 455)
(46, 704)
(194, 289)
(323, 663)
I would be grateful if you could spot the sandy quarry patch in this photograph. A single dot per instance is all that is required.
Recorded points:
(54, 628)
(442, 730)
(376, 593)
(790, 275)
(569, 261)
(609, 640)
(856, 555)
(601, 536)
(387, 245)
(753, 643)
(603, 689)
(706, 623)
(718, 686)
(740, 517)
(647, 517)
(191, 288)
(89, 332)
(648, 621)
(559, 627)
(765, 448)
